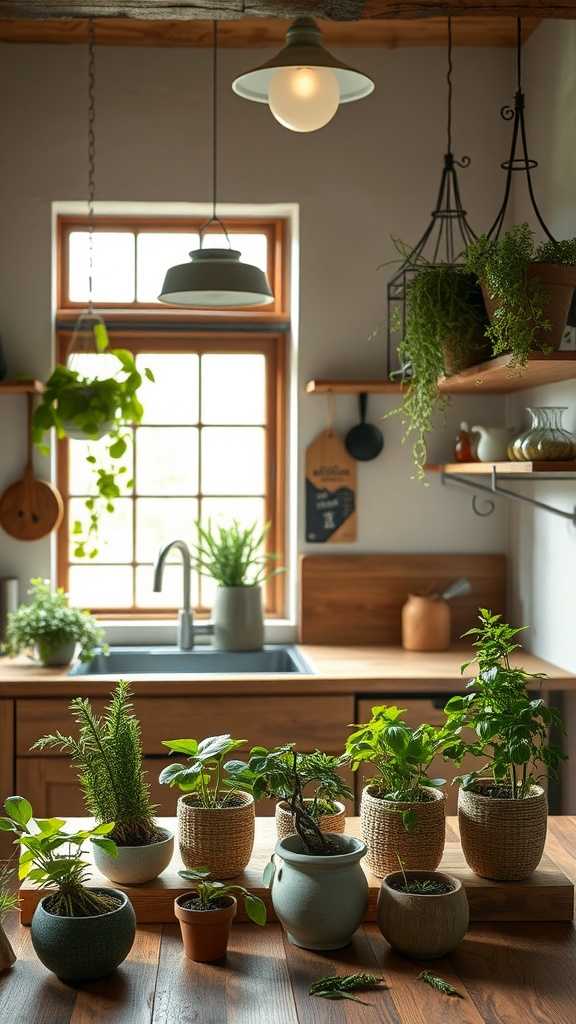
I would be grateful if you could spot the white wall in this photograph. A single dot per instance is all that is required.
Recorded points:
(372, 173)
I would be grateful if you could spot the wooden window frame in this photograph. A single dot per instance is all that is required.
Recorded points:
(273, 346)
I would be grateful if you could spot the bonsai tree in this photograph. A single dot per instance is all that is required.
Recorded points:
(208, 895)
(52, 858)
(49, 623)
(509, 727)
(270, 773)
(445, 321)
(204, 775)
(234, 556)
(107, 754)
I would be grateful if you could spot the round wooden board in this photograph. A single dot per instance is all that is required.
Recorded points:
(30, 509)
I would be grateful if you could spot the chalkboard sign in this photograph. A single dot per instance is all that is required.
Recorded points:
(330, 491)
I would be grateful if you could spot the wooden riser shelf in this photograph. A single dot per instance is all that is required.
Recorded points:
(21, 387)
(521, 469)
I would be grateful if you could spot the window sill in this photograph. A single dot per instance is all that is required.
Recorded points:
(161, 632)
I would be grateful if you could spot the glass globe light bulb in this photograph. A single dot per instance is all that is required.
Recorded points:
(304, 99)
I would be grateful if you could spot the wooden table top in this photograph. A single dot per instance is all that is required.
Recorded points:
(506, 973)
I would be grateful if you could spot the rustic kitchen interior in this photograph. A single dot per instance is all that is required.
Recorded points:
(287, 522)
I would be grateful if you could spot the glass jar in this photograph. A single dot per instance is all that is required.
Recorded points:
(547, 440)
(515, 453)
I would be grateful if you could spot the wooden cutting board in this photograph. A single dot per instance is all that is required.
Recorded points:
(547, 896)
(331, 516)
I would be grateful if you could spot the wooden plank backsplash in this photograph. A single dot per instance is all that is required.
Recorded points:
(357, 599)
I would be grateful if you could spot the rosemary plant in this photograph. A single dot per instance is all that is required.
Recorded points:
(8, 897)
(234, 556)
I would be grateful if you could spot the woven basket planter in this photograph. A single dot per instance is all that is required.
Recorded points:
(218, 838)
(327, 823)
(502, 839)
(384, 833)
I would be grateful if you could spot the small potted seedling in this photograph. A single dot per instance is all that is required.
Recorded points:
(269, 773)
(502, 807)
(423, 914)
(206, 913)
(49, 626)
(107, 754)
(319, 892)
(215, 818)
(8, 902)
(77, 932)
(403, 809)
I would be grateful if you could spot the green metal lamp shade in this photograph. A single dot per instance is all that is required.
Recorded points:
(214, 278)
(303, 49)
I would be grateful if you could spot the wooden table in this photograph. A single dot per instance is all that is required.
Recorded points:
(507, 974)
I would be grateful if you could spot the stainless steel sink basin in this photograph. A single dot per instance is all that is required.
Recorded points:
(130, 661)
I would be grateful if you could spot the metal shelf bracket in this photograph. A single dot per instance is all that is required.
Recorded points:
(484, 506)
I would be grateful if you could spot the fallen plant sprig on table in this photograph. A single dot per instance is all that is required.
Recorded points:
(439, 984)
(340, 986)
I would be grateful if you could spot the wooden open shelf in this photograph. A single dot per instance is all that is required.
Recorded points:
(21, 387)
(502, 468)
(493, 377)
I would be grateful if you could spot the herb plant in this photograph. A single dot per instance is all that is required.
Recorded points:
(209, 894)
(439, 984)
(107, 754)
(563, 251)
(510, 727)
(204, 775)
(340, 986)
(52, 858)
(234, 555)
(270, 773)
(8, 898)
(49, 622)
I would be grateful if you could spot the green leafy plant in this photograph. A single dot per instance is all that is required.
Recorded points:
(49, 622)
(445, 321)
(340, 986)
(209, 894)
(439, 984)
(94, 407)
(270, 773)
(51, 857)
(400, 755)
(563, 251)
(234, 556)
(8, 898)
(107, 754)
(204, 775)
(509, 727)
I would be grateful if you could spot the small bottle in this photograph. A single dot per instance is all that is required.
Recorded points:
(463, 451)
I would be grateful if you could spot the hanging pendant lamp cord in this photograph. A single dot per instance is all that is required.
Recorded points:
(449, 81)
(214, 219)
(91, 156)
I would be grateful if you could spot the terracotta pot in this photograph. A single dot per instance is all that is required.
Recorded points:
(425, 624)
(384, 833)
(422, 926)
(502, 839)
(205, 933)
(217, 838)
(327, 823)
(456, 358)
(558, 281)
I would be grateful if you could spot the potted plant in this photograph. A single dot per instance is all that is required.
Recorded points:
(402, 810)
(107, 754)
(270, 773)
(444, 333)
(422, 914)
(90, 408)
(527, 290)
(320, 892)
(215, 819)
(8, 902)
(502, 807)
(54, 629)
(78, 933)
(206, 913)
(236, 559)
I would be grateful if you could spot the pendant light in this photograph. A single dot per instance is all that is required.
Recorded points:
(215, 277)
(304, 84)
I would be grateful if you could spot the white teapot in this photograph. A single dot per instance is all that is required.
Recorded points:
(492, 444)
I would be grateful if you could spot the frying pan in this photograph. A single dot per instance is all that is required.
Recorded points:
(30, 508)
(364, 441)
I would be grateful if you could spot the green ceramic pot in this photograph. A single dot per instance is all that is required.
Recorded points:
(58, 656)
(84, 948)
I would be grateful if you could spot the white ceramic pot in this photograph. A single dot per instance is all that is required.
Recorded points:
(135, 865)
(492, 444)
(238, 619)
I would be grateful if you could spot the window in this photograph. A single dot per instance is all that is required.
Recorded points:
(211, 443)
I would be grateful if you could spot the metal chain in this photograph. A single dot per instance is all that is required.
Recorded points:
(214, 219)
(449, 81)
(91, 155)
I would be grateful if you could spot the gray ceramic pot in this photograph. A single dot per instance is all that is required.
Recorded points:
(320, 900)
(238, 619)
(419, 925)
(53, 657)
(83, 948)
(135, 865)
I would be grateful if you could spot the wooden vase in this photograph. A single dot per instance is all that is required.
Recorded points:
(419, 925)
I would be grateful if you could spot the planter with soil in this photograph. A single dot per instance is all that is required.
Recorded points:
(205, 932)
(422, 914)
(218, 838)
(419, 846)
(502, 838)
(134, 865)
(334, 821)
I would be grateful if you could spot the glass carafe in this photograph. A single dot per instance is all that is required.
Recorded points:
(515, 452)
(547, 440)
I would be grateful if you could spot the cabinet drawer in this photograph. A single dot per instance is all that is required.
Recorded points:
(309, 722)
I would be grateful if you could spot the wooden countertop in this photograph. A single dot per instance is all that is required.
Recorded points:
(506, 974)
(367, 670)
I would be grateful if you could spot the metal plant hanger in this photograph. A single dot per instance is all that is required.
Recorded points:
(446, 236)
(523, 163)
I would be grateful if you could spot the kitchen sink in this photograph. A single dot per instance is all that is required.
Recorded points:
(130, 661)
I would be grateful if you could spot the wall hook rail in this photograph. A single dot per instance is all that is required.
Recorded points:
(503, 492)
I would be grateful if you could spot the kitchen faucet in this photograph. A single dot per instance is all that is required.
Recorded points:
(186, 628)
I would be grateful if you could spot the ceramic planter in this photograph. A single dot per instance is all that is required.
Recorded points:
(558, 282)
(205, 933)
(220, 838)
(83, 948)
(135, 865)
(327, 823)
(55, 657)
(238, 619)
(320, 901)
(502, 839)
(7, 954)
(422, 926)
(387, 839)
